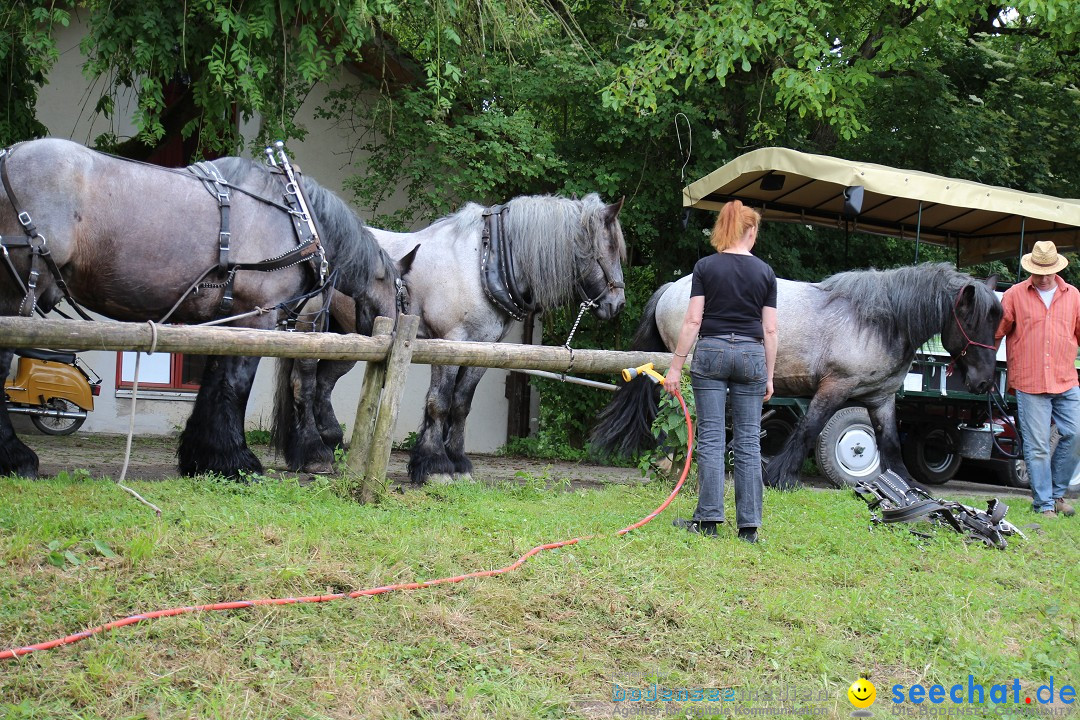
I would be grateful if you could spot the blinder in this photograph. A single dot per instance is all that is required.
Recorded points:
(401, 296)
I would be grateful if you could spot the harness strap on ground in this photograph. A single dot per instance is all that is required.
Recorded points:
(236, 605)
(899, 502)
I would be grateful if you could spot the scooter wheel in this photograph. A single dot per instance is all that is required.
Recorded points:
(55, 425)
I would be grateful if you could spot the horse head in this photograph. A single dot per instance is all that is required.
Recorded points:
(600, 279)
(386, 293)
(968, 334)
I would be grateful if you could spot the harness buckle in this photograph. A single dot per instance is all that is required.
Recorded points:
(25, 219)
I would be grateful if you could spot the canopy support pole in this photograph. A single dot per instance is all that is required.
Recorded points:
(1020, 255)
(918, 233)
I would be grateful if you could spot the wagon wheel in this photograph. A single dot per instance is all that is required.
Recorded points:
(1015, 474)
(931, 455)
(847, 449)
(59, 425)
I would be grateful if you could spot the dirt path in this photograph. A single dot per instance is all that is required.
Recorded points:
(154, 458)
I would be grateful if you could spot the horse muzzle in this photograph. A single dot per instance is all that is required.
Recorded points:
(607, 309)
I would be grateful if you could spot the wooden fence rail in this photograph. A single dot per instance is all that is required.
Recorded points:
(108, 335)
(387, 353)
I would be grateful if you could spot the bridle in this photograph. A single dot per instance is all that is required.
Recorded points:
(588, 303)
(610, 285)
(967, 338)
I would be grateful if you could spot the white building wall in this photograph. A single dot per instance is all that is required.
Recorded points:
(64, 106)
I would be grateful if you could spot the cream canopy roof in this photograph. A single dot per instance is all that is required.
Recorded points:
(984, 222)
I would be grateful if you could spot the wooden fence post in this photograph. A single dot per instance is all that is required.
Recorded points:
(377, 411)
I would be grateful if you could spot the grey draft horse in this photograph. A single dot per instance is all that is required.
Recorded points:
(851, 337)
(558, 249)
(132, 241)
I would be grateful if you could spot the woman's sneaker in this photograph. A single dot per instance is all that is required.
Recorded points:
(705, 527)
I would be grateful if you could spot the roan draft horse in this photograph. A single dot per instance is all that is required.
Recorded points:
(137, 242)
(851, 337)
(480, 270)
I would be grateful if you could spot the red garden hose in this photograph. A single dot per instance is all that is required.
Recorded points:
(131, 620)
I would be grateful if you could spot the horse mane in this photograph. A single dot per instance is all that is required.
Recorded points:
(895, 302)
(350, 247)
(552, 237)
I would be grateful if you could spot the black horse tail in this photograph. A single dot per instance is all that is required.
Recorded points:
(284, 410)
(625, 424)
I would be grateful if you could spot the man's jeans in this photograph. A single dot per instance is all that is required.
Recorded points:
(723, 368)
(1049, 476)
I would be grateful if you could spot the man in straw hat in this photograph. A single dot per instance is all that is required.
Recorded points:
(1041, 326)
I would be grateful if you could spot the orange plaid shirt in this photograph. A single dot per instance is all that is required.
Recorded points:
(1040, 342)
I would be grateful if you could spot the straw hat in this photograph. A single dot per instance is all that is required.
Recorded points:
(1044, 259)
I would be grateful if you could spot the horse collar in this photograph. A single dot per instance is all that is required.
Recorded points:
(497, 266)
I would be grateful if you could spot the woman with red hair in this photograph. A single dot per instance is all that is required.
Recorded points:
(732, 317)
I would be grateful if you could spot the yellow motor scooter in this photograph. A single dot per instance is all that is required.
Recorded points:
(55, 389)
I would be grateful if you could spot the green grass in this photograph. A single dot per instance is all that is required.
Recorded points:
(822, 600)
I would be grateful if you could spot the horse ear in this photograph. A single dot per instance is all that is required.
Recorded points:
(991, 282)
(405, 263)
(611, 212)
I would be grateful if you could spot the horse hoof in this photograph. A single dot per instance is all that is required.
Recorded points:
(440, 479)
(463, 477)
(319, 468)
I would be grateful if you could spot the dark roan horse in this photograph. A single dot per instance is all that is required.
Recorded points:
(131, 241)
(555, 250)
(850, 338)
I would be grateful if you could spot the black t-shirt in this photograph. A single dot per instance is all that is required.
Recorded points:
(736, 287)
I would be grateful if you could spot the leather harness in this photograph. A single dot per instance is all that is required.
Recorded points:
(36, 243)
(309, 248)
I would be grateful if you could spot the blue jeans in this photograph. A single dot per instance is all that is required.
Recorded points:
(725, 368)
(1049, 476)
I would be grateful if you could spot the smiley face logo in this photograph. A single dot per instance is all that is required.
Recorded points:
(862, 693)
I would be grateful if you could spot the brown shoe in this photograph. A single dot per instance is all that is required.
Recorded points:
(1048, 514)
(1063, 507)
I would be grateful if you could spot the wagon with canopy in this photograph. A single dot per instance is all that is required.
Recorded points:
(940, 421)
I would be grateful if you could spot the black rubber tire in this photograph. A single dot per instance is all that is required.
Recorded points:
(777, 429)
(931, 456)
(847, 448)
(1014, 472)
(58, 426)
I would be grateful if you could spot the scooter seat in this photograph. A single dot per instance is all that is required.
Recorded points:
(67, 358)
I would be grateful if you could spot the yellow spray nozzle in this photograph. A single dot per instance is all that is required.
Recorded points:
(647, 369)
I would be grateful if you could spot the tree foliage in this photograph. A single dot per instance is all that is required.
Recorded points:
(487, 100)
(27, 52)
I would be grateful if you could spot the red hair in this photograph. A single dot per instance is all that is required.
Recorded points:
(734, 220)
